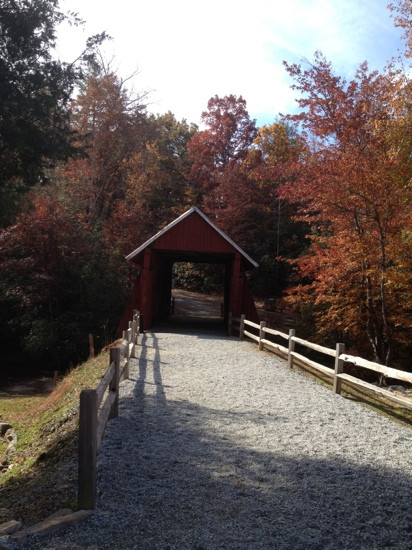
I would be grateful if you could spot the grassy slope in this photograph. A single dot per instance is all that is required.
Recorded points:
(43, 473)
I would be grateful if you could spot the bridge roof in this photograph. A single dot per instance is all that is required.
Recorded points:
(192, 233)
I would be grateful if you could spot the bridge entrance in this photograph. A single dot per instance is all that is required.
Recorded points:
(198, 290)
(190, 238)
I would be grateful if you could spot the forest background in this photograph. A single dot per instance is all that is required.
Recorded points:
(320, 199)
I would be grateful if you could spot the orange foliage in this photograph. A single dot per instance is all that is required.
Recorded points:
(354, 191)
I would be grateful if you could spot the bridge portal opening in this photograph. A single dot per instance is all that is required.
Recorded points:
(198, 290)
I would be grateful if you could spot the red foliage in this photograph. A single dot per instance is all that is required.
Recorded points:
(353, 190)
(228, 136)
(37, 249)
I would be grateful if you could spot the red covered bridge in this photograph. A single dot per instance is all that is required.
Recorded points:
(190, 238)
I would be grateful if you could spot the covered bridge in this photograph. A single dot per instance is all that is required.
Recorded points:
(192, 237)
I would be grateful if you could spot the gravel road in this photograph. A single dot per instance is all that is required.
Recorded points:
(220, 446)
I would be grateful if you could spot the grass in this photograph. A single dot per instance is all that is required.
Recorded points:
(46, 427)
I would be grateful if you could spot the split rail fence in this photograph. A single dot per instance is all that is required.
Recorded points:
(338, 375)
(99, 405)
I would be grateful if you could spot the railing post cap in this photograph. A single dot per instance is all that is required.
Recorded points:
(88, 392)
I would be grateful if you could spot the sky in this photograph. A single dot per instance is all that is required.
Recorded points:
(186, 51)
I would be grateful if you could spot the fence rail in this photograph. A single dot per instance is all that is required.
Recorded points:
(337, 374)
(99, 405)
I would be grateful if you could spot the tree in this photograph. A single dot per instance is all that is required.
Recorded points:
(354, 191)
(57, 285)
(34, 97)
(238, 170)
(225, 142)
(158, 174)
(402, 13)
(271, 162)
(110, 125)
(217, 154)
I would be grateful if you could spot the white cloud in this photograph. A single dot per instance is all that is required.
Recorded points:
(187, 51)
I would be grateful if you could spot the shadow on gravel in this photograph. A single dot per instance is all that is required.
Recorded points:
(191, 486)
(156, 365)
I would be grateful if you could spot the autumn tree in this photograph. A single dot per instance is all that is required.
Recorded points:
(217, 154)
(110, 125)
(239, 170)
(158, 182)
(271, 162)
(354, 191)
(57, 284)
(401, 10)
(223, 144)
(35, 97)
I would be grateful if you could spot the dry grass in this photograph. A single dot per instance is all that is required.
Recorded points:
(53, 400)
(42, 474)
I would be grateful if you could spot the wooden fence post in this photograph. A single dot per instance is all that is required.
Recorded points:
(137, 319)
(291, 348)
(229, 324)
(127, 354)
(126, 372)
(114, 384)
(91, 346)
(86, 495)
(337, 382)
(134, 330)
(261, 334)
(242, 326)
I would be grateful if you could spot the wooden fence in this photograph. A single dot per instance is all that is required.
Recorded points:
(99, 405)
(337, 374)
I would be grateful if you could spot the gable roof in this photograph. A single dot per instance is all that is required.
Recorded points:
(190, 212)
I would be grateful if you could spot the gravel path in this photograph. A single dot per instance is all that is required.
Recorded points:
(220, 446)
